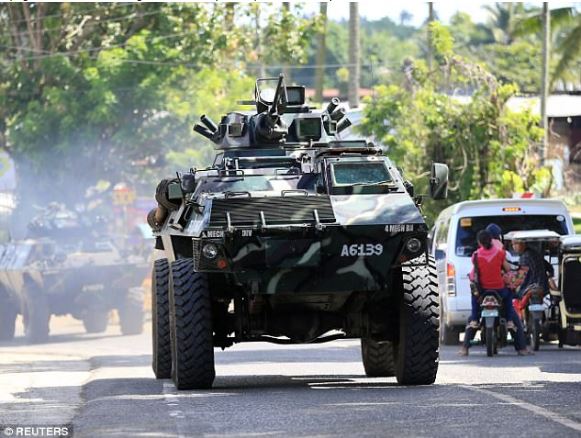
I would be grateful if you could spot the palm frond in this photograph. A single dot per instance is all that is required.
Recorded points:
(533, 23)
(570, 50)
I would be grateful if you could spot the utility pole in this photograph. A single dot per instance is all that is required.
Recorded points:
(430, 19)
(354, 66)
(321, 52)
(286, 70)
(545, 80)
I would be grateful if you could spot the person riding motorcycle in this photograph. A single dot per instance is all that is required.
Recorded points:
(495, 232)
(533, 263)
(490, 260)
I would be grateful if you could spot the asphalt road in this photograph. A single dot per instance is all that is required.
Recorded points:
(104, 386)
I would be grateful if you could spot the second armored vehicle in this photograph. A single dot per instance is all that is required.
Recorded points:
(293, 236)
(68, 265)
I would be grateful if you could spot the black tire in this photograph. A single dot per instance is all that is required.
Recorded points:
(8, 313)
(37, 313)
(161, 342)
(418, 346)
(96, 320)
(562, 337)
(534, 332)
(547, 333)
(490, 341)
(131, 312)
(449, 335)
(378, 359)
(191, 327)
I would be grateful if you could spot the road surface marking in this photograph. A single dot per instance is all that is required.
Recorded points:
(172, 401)
(553, 416)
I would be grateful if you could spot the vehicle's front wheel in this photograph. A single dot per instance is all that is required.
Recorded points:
(377, 358)
(131, 312)
(8, 313)
(191, 327)
(160, 319)
(418, 347)
(95, 320)
(36, 313)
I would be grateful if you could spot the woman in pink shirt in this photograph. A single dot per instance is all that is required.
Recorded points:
(491, 260)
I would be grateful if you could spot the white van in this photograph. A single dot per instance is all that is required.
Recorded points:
(454, 241)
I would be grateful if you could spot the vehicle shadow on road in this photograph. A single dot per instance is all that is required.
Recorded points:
(270, 382)
(65, 365)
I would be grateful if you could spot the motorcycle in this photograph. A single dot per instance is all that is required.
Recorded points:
(493, 328)
(531, 310)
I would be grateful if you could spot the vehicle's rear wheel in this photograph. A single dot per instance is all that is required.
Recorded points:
(418, 346)
(449, 335)
(191, 327)
(8, 313)
(36, 313)
(131, 312)
(378, 359)
(490, 341)
(534, 332)
(95, 320)
(160, 320)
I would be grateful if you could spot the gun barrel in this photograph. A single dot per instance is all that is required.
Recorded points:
(209, 123)
(333, 104)
(204, 131)
(343, 124)
(338, 114)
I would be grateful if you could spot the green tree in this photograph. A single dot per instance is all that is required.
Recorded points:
(566, 32)
(490, 150)
(95, 91)
(516, 62)
(503, 19)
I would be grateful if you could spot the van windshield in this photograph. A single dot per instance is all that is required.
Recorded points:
(468, 227)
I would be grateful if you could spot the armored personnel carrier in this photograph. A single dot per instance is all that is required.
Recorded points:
(68, 265)
(293, 236)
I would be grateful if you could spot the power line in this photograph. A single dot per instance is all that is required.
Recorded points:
(108, 20)
(116, 6)
(92, 49)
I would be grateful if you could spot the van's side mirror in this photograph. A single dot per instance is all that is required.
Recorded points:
(439, 181)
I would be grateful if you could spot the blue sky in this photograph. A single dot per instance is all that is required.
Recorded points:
(376, 9)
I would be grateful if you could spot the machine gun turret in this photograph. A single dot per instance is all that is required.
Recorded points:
(281, 118)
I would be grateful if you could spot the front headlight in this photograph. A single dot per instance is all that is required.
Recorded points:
(210, 251)
(413, 245)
